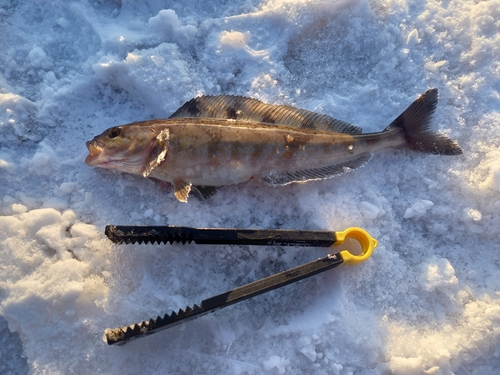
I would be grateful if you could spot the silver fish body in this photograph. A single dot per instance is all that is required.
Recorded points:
(215, 141)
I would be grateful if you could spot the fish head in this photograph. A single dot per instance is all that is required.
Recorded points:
(126, 148)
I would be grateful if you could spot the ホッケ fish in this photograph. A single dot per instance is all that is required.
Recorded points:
(222, 140)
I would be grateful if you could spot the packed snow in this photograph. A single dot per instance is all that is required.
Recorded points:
(427, 302)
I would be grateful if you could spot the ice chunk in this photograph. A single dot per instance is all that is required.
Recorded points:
(435, 66)
(277, 363)
(168, 24)
(67, 187)
(234, 39)
(37, 219)
(408, 366)
(438, 273)
(19, 208)
(84, 230)
(309, 352)
(63, 22)
(412, 38)
(43, 162)
(473, 214)
(370, 211)
(418, 209)
(39, 58)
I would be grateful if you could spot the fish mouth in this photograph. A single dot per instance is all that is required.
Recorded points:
(97, 157)
(94, 152)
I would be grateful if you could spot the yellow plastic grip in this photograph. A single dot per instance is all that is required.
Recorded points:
(367, 242)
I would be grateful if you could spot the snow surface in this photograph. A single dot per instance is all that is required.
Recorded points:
(427, 302)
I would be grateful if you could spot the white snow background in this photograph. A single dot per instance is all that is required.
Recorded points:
(427, 302)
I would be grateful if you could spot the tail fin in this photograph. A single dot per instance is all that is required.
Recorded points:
(415, 123)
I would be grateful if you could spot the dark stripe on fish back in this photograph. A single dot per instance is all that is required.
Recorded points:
(231, 114)
(307, 123)
(268, 119)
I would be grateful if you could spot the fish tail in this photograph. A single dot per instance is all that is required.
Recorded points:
(415, 123)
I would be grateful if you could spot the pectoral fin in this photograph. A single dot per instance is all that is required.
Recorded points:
(312, 174)
(182, 189)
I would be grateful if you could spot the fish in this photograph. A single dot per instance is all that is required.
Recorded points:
(225, 140)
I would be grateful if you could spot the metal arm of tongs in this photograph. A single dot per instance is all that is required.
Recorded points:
(164, 234)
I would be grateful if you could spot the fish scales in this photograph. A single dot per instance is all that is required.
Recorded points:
(223, 140)
(208, 152)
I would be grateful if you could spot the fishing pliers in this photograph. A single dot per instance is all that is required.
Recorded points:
(278, 237)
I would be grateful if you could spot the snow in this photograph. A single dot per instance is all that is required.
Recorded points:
(438, 273)
(418, 209)
(427, 302)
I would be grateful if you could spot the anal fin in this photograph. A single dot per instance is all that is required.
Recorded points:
(181, 190)
(203, 192)
(321, 173)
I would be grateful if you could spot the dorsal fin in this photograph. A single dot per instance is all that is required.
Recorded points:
(247, 109)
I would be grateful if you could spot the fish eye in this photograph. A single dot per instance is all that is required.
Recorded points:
(114, 132)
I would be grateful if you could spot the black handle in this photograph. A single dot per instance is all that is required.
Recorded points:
(219, 236)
